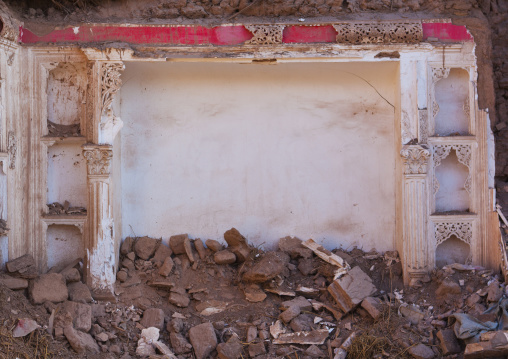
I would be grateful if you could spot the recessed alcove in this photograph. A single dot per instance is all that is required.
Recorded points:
(64, 244)
(452, 176)
(452, 97)
(304, 149)
(452, 250)
(66, 179)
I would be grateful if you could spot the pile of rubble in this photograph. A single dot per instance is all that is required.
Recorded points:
(191, 299)
(57, 208)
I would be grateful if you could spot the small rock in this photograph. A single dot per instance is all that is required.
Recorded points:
(71, 275)
(270, 265)
(213, 245)
(13, 283)
(293, 246)
(81, 315)
(24, 327)
(314, 352)
(200, 248)
(256, 349)
(115, 349)
(237, 244)
(145, 247)
(161, 253)
(232, 349)
(121, 276)
(289, 314)
(254, 293)
(20, 263)
(153, 317)
(102, 337)
(412, 314)
(179, 299)
(80, 342)
(299, 302)
(252, 333)
(177, 243)
(302, 323)
(373, 306)
(448, 287)
(203, 339)
(421, 351)
(306, 266)
(351, 289)
(224, 257)
(166, 267)
(472, 300)
(448, 341)
(126, 246)
(494, 292)
(79, 292)
(179, 344)
(48, 287)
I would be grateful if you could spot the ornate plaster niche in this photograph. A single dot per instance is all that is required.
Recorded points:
(64, 244)
(452, 250)
(452, 103)
(65, 99)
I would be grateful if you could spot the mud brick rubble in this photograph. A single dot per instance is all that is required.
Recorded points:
(203, 300)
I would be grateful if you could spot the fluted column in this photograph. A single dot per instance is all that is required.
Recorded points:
(415, 212)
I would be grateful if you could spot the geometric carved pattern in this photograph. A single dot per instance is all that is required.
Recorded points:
(462, 230)
(423, 122)
(98, 160)
(110, 83)
(438, 73)
(265, 34)
(407, 134)
(463, 153)
(407, 32)
(415, 159)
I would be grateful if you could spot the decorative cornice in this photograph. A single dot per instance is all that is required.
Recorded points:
(415, 159)
(110, 83)
(265, 34)
(389, 32)
(98, 159)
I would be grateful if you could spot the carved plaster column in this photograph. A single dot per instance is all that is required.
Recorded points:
(415, 206)
(102, 127)
(100, 266)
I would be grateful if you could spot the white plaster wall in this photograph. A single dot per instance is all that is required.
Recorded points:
(289, 149)
(452, 175)
(66, 93)
(64, 244)
(451, 95)
(67, 175)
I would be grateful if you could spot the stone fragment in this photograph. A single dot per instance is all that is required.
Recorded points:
(203, 339)
(167, 267)
(20, 263)
(153, 317)
(224, 257)
(314, 352)
(102, 337)
(276, 329)
(412, 314)
(421, 351)
(48, 287)
(126, 246)
(161, 253)
(485, 350)
(71, 275)
(148, 336)
(177, 243)
(24, 327)
(254, 293)
(472, 300)
(300, 302)
(306, 266)
(448, 341)
(200, 248)
(270, 265)
(188, 250)
(131, 256)
(213, 245)
(373, 306)
(448, 287)
(164, 350)
(232, 349)
(307, 292)
(316, 337)
(79, 292)
(302, 323)
(494, 292)
(237, 244)
(80, 342)
(351, 289)
(289, 314)
(13, 283)
(179, 299)
(293, 246)
(145, 247)
(121, 276)
(252, 333)
(81, 315)
(179, 344)
(256, 349)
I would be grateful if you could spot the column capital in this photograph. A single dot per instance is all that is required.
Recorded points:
(98, 159)
(416, 159)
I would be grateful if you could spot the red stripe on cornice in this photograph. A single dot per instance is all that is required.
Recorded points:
(446, 32)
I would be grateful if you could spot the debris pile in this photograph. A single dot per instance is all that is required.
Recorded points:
(57, 130)
(56, 208)
(190, 299)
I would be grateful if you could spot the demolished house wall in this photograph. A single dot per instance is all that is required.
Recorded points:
(419, 226)
(301, 149)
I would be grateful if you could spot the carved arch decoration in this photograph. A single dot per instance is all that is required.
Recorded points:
(459, 229)
(440, 152)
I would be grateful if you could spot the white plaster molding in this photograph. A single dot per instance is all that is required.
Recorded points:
(98, 159)
(65, 220)
(379, 32)
(464, 153)
(415, 159)
(265, 34)
(406, 128)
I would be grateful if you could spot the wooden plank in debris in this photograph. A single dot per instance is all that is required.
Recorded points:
(325, 254)
(316, 337)
(484, 350)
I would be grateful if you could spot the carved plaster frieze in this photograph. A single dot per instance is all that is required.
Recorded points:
(439, 73)
(406, 132)
(265, 34)
(423, 124)
(462, 230)
(12, 149)
(110, 83)
(467, 108)
(415, 159)
(409, 32)
(463, 152)
(98, 159)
